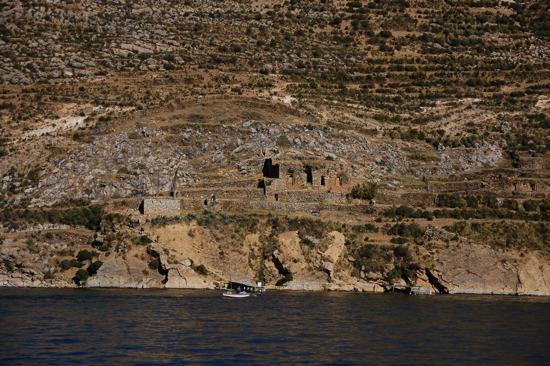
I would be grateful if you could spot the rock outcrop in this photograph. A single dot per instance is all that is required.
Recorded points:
(125, 273)
(478, 269)
(177, 275)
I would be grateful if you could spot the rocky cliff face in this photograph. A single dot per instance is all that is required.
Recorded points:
(480, 269)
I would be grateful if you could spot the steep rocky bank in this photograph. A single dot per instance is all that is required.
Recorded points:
(186, 257)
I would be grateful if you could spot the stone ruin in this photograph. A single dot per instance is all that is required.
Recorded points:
(160, 207)
(280, 177)
(530, 186)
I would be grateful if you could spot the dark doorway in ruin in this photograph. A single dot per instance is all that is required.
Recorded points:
(276, 196)
(323, 183)
(270, 170)
(291, 180)
(309, 174)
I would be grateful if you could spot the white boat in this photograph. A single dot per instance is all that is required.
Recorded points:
(235, 295)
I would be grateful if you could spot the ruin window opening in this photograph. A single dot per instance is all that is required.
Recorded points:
(323, 183)
(276, 196)
(309, 174)
(270, 170)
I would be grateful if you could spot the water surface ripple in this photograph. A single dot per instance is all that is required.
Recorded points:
(187, 327)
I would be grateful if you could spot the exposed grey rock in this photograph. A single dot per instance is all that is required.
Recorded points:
(125, 273)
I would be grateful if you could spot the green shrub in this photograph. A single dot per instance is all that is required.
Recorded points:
(530, 205)
(32, 246)
(81, 276)
(68, 264)
(367, 228)
(75, 263)
(144, 240)
(365, 191)
(154, 264)
(394, 274)
(10, 265)
(94, 267)
(398, 240)
(510, 204)
(201, 269)
(287, 278)
(450, 200)
(307, 242)
(65, 264)
(49, 235)
(84, 255)
(401, 252)
(407, 230)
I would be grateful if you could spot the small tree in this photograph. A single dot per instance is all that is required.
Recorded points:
(365, 191)
(201, 269)
(81, 276)
(94, 267)
(84, 255)
(287, 278)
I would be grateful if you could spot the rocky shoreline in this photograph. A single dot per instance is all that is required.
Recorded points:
(188, 259)
(529, 278)
(357, 287)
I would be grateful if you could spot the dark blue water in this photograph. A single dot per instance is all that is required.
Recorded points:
(186, 327)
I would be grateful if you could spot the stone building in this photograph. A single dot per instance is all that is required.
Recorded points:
(160, 207)
(280, 176)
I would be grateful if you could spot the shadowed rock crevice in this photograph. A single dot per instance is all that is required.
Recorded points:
(283, 271)
(435, 282)
(162, 266)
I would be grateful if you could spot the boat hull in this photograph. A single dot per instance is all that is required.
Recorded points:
(235, 296)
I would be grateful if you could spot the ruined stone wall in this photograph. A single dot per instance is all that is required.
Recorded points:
(410, 199)
(223, 193)
(189, 204)
(325, 175)
(308, 195)
(530, 186)
(243, 183)
(160, 207)
(458, 186)
(275, 185)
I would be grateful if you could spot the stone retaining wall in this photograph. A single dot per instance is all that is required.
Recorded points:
(410, 199)
(304, 196)
(247, 183)
(223, 193)
(188, 204)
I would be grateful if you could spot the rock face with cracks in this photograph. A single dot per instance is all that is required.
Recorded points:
(188, 258)
(177, 275)
(478, 269)
(125, 273)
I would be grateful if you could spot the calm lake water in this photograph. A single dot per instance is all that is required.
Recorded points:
(192, 327)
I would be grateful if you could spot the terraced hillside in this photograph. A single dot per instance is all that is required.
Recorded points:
(417, 132)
